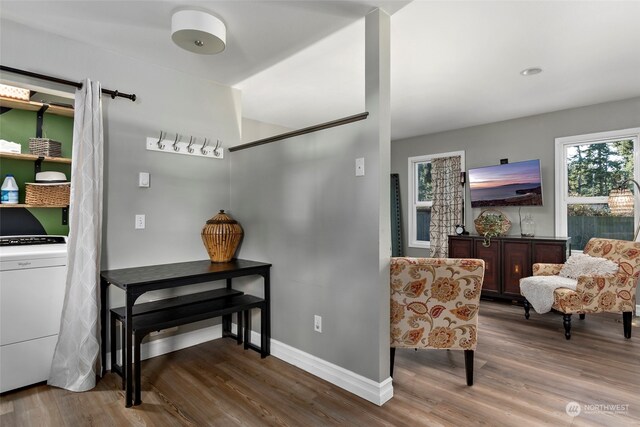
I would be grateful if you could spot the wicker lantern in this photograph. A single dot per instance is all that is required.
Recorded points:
(221, 236)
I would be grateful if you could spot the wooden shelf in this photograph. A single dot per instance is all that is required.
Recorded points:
(22, 205)
(34, 157)
(35, 106)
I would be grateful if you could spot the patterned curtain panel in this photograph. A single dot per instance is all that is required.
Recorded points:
(76, 356)
(446, 211)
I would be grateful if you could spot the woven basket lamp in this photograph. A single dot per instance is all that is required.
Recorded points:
(221, 236)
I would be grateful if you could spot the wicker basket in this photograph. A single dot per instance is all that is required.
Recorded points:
(47, 194)
(45, 147)
(492, 222)
(221, 236)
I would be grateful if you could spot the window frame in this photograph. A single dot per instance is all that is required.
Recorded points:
(562, 199)
(412, 242)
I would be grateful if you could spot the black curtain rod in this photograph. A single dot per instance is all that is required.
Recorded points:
(327, 125)
(112, 93)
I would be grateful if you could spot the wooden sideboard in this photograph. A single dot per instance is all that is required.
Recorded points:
(508, 259)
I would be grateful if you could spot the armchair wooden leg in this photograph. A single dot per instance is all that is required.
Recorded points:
(392, 357)
(527, 307)
(566, 321)
(626, 323)
(468, 366)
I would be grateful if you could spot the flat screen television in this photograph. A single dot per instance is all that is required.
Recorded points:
(509, 184)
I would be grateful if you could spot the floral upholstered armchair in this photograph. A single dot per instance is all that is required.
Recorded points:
(614, 293)
(434, 304)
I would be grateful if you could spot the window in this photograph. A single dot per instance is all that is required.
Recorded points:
(421, 197)
(588, 167)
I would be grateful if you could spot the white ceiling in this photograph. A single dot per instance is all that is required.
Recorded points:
(454, 63)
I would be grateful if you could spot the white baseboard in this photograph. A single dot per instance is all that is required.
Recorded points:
(365, 388)
(377, 393)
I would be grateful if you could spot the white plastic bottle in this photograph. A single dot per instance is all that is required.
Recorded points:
(9, 191)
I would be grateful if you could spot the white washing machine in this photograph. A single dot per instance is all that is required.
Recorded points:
(32, 286)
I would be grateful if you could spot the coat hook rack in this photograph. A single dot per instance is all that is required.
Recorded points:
(191, 147)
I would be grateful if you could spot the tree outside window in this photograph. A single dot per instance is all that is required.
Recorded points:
(593, 169)
(421, 198)
(424, 201)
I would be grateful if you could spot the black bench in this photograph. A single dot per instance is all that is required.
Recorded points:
(171, 312)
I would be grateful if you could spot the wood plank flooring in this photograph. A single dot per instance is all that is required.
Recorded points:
(525, 375)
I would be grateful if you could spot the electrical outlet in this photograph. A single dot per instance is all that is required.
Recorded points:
(140, 222)
(360, 166)
(317, 323)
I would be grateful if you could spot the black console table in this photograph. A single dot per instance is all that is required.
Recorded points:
(136, 281)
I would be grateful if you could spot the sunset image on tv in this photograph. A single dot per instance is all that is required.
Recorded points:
(510, 184)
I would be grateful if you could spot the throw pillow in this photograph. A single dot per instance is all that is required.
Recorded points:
(583, 264)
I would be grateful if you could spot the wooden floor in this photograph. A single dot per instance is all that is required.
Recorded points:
(525, 374)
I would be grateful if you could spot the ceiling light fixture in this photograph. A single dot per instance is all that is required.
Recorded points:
(198, 32)
(531, 71)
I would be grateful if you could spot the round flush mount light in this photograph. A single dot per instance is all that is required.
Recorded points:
(531, 71)
(198, 32)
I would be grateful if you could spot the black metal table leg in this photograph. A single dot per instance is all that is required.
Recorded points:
(103, 328)
(226, 319)
(138, 387)
(247, 328)
(266, 316)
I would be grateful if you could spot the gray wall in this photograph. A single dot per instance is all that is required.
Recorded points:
(304, 210)
(185, 191)
(519, 139)
(253, 130)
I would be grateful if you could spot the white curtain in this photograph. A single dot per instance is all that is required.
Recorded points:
(76, 358)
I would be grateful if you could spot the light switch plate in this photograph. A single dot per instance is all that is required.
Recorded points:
(360, 166)
(143, 179)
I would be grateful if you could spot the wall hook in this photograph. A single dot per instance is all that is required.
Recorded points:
(175, 143)
(160, 144)
(202, 149)
(184, 146)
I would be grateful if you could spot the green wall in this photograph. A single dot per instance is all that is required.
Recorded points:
(20, 125)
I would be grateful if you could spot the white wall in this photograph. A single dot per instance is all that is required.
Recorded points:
(518, 139)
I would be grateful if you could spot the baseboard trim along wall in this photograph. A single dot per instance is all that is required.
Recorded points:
(365, 388)
(377, 393)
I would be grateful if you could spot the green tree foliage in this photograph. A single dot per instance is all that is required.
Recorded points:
(425, 187)
(594, 169)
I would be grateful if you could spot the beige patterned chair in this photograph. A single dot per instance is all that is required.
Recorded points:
(434, 304)
(598, 294)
